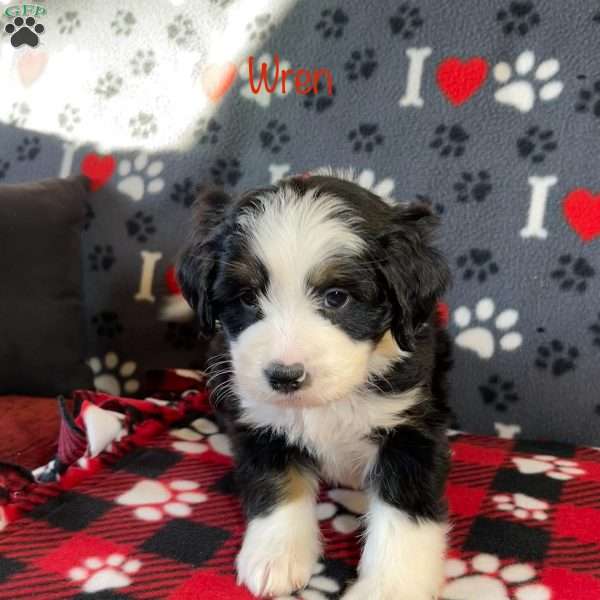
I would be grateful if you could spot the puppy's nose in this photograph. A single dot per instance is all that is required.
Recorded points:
(285, 378)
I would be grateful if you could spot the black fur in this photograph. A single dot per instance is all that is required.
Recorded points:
(395, 287)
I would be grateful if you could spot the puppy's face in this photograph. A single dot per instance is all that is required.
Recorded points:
(309, 288)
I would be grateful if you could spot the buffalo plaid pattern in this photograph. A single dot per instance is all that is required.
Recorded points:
(160, 519)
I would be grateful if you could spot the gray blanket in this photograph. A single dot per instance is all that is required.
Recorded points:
(490, 111)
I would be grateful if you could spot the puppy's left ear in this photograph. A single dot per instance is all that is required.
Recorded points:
(415, 272)
(198, 261)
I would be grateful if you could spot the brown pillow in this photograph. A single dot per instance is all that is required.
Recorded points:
(41, 322)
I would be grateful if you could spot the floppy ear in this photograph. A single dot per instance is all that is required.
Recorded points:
(415, 272)
(197, 264)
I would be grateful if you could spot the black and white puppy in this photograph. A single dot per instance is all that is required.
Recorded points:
(326, 297)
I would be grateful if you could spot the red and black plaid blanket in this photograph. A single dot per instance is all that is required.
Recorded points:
(155, 514)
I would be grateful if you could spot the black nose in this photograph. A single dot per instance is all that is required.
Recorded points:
(285, 378)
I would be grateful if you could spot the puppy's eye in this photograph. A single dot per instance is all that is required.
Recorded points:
(335, 298)
(248, 298)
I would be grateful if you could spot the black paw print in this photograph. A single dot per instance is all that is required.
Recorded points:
(182, 336)
(143, 125)
(226, 171)
(107, 324)
(365, 137)
(181, 30)
(274, 136)
(332, 23)
(498, 393)
(185, 192)
(68, 22)
(536, 143)
(69, 118)
(449, 141)
(88, 216)
(102, 258)
(557, 357)
(595, 329)
(4, 167)
(143, 62)
(28, 149)
(208, 131)
(140, 226)
(321, 100)
(518, 17)
(24, 32)
(477, 264)
(473, 187)
(260, 28)
(406, 21)
(123, 23)
(437, 207)
(588, 99)
(361, 64)
(108, 85)
(573, 274)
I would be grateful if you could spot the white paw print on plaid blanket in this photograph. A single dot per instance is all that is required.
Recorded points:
(551, 466)
(521, 93)
(96, 574)
(345, 509)
(140, 176)
(153, 500)
(481, 337)
(319, 587)
(113, 377)
(522, 506)
(200, 435)
(483, 578)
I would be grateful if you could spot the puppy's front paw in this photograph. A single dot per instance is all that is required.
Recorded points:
(277, 562)
(367, 588)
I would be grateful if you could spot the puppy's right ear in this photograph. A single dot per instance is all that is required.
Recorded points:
(197, 264)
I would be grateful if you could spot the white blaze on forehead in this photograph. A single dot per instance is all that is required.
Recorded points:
(293, 235)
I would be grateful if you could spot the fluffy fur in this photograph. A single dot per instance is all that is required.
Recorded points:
(321, 297)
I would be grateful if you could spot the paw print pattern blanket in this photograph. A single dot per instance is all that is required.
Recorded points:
(488, 111)
(155, 514)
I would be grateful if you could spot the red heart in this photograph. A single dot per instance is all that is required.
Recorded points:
(459, 79)
(171, 281)
(582, 212)
(98, 168)
(217, 79)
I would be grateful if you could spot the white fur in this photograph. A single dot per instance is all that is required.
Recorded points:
(402, 559)
(337, 433)
(280, 550)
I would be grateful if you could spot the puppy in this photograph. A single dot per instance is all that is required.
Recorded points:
(325, 297)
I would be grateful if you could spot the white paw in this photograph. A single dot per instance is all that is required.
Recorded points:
(345, 510)
(192, 439)
(262, 97)
(276, 561)
(551, 466)
(97, 574)
(521, 93)
(481, 338)
(522, 506)
(112, 378)
(484, 578)
(140, 177)
(319, 587)
(154, 500)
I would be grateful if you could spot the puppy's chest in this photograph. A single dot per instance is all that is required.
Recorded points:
(339, 436)
(345, 450)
